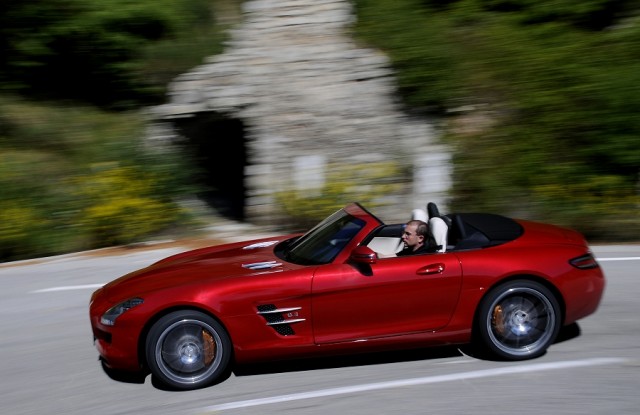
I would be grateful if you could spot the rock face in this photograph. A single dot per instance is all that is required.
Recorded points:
(305, 98)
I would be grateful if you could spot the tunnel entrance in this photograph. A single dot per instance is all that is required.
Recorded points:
(216, 144)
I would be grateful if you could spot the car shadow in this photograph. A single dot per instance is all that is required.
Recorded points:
(340, 361)
(332, 362)
(122, 376)
(568, 332)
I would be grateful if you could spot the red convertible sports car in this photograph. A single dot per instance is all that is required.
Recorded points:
(502, 285)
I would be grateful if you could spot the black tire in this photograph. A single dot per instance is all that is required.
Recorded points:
(188, 350)
(518, 320)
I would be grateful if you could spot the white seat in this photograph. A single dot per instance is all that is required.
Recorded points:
(438, 229)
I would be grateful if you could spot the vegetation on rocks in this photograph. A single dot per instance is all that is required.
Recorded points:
(538, 100)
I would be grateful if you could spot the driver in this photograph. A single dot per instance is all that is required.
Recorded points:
(415, 238)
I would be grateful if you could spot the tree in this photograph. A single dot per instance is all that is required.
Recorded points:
(87, 50)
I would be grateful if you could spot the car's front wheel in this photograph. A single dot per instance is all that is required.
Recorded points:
(518, 320)
(188, 350)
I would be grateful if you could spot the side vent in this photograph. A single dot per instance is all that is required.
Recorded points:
(280, 319)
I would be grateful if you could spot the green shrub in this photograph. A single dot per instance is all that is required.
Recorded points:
(539, 100)
(602, 207)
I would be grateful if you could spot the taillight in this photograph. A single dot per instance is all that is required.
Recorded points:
(586, 261)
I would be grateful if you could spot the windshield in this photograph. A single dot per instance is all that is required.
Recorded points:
(325, 241)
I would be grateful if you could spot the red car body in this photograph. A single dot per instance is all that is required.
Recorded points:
(271, 304)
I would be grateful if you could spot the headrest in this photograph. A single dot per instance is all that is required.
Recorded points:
(419, 214)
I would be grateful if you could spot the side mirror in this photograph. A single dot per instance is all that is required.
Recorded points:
(364, 255)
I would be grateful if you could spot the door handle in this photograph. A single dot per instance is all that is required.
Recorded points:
(431, 269)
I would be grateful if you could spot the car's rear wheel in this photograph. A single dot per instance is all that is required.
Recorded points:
(518, 320)
(188, 350)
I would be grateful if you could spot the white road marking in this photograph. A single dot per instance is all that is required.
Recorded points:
(631, 258)
(68, 288)
(509, 370)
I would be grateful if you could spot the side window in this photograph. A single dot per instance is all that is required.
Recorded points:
(387, 241)
(385, 246)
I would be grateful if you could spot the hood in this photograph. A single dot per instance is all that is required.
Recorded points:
(252, 258)
(237, 251)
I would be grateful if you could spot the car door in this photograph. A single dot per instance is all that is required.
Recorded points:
(394, 296)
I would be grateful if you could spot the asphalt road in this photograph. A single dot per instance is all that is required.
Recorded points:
(48, 364)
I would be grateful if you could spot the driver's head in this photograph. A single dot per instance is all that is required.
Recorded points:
(415, 234)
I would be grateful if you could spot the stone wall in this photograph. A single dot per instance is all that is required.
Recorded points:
(309, 96)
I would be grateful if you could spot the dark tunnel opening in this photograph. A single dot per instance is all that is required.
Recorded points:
(216, 144)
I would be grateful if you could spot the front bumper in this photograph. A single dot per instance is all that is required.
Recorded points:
(117, 345)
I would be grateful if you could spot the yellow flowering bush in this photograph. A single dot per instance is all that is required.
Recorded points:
(17, 224)
(121, 206)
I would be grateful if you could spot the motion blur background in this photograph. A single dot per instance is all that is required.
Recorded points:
(537, 100)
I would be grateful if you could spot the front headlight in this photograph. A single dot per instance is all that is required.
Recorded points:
(109, 318)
